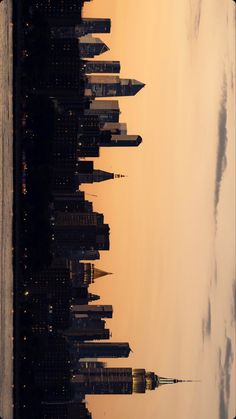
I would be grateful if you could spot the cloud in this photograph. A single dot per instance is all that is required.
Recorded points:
(195, 18)
(206, 322)
(225, 377)
(221, 160)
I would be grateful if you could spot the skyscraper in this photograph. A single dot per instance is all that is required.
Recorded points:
(100, 67)
(90, 46)
(84, 274)
(115, 128)
(94, 25)
(103, 350)
(93, 311)
(71, 29)
(58, 8)
(106, 110)
(105, 86)
(69, 219)
(87, 174)
(117, 381)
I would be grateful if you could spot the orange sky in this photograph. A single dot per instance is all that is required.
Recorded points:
(163, 242)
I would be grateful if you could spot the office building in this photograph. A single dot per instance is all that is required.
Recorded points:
(106, 86)
(93, 311)
(100, 67)
(87, 174)
(90, 46)
(104, 350)
(71, 29)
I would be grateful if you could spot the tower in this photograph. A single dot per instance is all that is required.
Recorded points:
(117, 381)
(105, 86)
(84, 274)
(90, 46)
(87, 174)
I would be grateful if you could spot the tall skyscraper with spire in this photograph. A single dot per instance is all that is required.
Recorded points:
(118, 381)
(87, 174)
(108, 86)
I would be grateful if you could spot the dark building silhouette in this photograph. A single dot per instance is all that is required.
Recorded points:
(117, 381)
(67, 410)
(100, 66)
(84, 274)
(103, 350)
(69, 219)
(86, 334)
(90, 46)
(93, 311)
(105, 86)
(72, 203)
(59, 8)
(81, 254)
(106, 110)
(70, 240)
(71, 29)
(87, 174)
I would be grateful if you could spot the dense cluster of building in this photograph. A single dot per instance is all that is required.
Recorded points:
(69, 332)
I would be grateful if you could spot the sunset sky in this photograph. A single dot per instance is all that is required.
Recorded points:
(172, 241)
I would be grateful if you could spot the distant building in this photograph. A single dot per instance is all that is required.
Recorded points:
(115, 128)
(80, 254)
(93, 311)
(100, 67)
(86, 334)
(117, 381)
(105, 138)
(70, 219)
(70, 240)
(67, 410)
(106, 110)
(71, 28)
(87, 174)
(103, 350)
(106, 86)
(84, 274)
(72, 203)
(89, 46)
(58, 8)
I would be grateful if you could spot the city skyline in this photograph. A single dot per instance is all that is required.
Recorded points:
(170, 269)
(123, 267)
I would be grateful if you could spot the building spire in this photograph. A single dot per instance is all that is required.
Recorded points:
(164, 380)
(98, 273)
